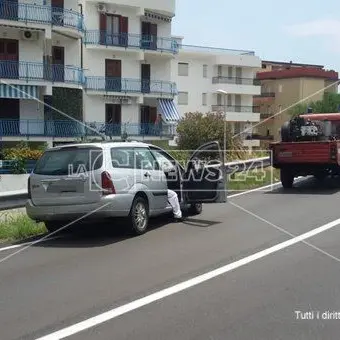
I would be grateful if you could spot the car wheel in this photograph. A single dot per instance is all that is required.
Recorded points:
(195, 209)
(139, 216)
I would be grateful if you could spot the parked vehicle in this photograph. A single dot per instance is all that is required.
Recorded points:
(120, 179)
(310, 145)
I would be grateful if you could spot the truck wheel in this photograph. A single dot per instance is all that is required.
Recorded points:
(285, 132)
(287, 178)
(320, 175)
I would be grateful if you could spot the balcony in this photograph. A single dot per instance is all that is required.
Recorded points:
(39, 72)
(41, 14)
(238, 113)
(131, 41)
(73, 129)
(235, 108)
(248, 86)
(264, 97)
(124, 85)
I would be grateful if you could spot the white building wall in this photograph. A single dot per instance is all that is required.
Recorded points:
(28, 50)
(92, 16)
(196, 84)
(95, 110)
(94, 63)
(72, 48)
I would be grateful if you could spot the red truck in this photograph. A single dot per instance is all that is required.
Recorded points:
(310, 145)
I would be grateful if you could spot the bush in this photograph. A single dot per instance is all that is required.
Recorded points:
(197, 128)
(21, 152)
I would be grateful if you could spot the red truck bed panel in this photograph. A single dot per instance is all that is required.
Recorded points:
(303, 152)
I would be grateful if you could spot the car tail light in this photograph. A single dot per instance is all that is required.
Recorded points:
(333, 152)
(107, 185)
(29, 193)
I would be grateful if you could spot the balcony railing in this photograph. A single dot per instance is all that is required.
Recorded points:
(124, 85)
(235, 108)
(235, 80)
(41, 14)
(215, 50)
(129, 40)
(33, 71)
(265, 95)
(73, 129)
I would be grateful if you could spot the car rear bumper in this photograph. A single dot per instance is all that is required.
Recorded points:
(109, 206)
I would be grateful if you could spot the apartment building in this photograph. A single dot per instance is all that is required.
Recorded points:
(127, 60)
(216, 79)
(39, 53)
(133, 76)
(282, 85)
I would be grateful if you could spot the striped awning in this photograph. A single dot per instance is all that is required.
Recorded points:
(18, 91)
(168, 110)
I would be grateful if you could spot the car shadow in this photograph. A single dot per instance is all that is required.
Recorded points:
(91, 235)
(328, 186)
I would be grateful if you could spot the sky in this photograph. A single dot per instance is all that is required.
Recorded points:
(305, 31)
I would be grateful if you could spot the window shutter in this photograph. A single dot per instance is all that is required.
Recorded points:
(124, 29)
(102, 28)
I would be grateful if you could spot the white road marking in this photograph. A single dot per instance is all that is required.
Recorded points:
(14, 246)
(115, 312)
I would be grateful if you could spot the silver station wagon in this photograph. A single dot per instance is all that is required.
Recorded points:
(104, 180)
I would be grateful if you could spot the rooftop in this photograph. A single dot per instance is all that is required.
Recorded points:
(290, 64)
(215, 50)
(299, 72)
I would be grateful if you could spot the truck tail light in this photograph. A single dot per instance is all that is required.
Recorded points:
(107, 185)
(333, 152)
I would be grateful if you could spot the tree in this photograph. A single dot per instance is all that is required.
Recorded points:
(330, 103)
(197, 128)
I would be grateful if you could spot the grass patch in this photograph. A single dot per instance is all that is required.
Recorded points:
(252, 179)
(18, 226)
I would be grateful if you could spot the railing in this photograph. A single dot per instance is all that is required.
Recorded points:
(235, 80)
(34, 71)
(265, 94)
(214, 50)
(130, 40)
(74, 129)
(234, 108)
(31, 13)
(125, 85)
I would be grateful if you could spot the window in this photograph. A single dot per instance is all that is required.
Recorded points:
(183, 69)
(164, 162)
(219, 70)
(129, 158)
(122, 158)
(280, 88)
(145, 160)
(183, 98)
(204, 99)
(68, 160)
(219, 99)
(205, 71)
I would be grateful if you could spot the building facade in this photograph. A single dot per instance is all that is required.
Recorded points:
(218, 80)
(283, 85)
(120, 60)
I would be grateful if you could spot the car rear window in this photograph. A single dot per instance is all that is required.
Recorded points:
(69, 160)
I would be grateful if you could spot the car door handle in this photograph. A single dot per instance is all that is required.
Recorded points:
(147, 174)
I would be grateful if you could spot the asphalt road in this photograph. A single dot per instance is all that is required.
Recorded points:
(61, 282)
